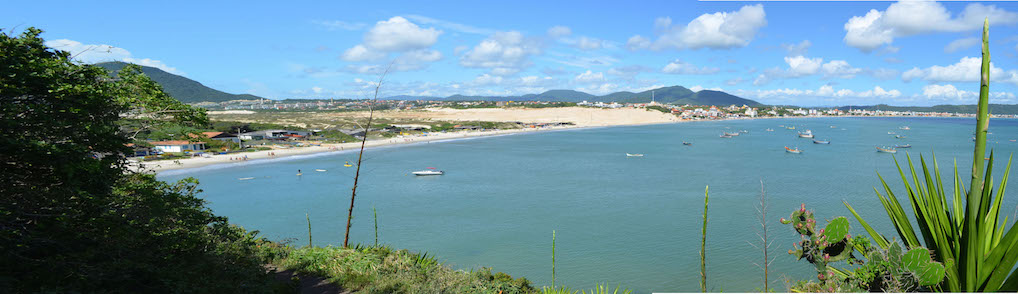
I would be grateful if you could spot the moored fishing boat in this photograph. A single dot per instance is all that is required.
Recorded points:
(904, 128)
(795, 150)
(806, 134)
(723, 135)
(903, 146)
(687, 143)
(887, 150)
(732, 134)
(634, 155)
(431, 171)
(899, 136)
(815, 141)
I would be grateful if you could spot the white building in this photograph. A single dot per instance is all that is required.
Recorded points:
(178, 146)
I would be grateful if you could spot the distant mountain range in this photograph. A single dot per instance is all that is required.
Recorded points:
(673, 95)
(183, 89)
(994, 108)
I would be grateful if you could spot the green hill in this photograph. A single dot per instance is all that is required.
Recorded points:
(674, 95)
(184, 89)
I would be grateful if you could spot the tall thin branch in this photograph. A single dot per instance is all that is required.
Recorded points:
(360, 156)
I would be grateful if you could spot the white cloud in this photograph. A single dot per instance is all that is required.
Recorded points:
(906, 18)
(825, 91)
(600, 89)
(802, 66)
(586, 43)
(340, 25)
(966, 70)
(962, 43)
(559, 31)
(458, 27)
(797, 49)
(395, 35)
(589, 77)
(699, 88)
(948, 92)
(317, 90)
(90, 53)
(637, 42)
(679, 67)
(840, 69)
(720, 30)
(501, 52)
(361, 53)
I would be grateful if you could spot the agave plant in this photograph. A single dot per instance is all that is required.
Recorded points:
(964, 234)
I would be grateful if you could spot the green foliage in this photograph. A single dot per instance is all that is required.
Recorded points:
(659, 108)
(966, 235)
(73, 219)
(883, 269)
(384, 270)
(703, 242)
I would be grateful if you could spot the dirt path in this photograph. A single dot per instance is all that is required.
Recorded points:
(308, 284)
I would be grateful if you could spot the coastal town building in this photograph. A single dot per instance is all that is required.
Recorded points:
(178, 146)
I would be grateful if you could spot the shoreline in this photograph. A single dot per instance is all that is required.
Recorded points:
(263, 156)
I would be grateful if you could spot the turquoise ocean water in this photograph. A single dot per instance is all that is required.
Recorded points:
(629, 221)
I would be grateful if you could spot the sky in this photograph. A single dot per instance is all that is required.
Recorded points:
(821, 53)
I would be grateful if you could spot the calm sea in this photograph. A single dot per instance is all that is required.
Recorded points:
(622, 220)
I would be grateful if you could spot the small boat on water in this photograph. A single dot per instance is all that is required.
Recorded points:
(903, 146)
(245, 179)
(770, 130)
(634, 155)
(791, 128)
(834, 127)
(890, 133)
(806, 134)
(795, 150)
(723, 135)
(347, 164)
(904, 128)
(886, 150)
(815, 141)
(899, 136)
(732, 134)
(429, 172)
(743, 131)
(687, 143)
(321, 170)
(1013, 140)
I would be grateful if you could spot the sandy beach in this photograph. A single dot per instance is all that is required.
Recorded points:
(581, 117)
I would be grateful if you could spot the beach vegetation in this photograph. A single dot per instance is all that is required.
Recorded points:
(965, 232)
(73, 218)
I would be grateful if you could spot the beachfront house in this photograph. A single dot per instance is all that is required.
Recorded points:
(221, 136)
(178, 146)
(274, 135)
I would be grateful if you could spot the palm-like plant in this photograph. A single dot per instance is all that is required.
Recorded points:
(978, 251)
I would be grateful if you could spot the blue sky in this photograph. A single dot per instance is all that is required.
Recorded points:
(802, 53)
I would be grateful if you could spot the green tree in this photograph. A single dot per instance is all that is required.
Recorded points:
(73, 219)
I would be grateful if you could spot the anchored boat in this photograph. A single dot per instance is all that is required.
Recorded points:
(796, 150)
(815, 141)
(687, 143)
(429, 172)
(806, 134)
(903, 146)
(634, 155)
(886, 150)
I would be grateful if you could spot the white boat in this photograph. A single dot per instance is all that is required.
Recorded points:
(723, 135)
(890, 133)
(770, 130)
(732, 134)
(429, 172)
(904, 128)
(320, 170)
(634, 155)
(796, 150)
(245, 179)
(744, 131)
(886, 150)
(806, 134)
